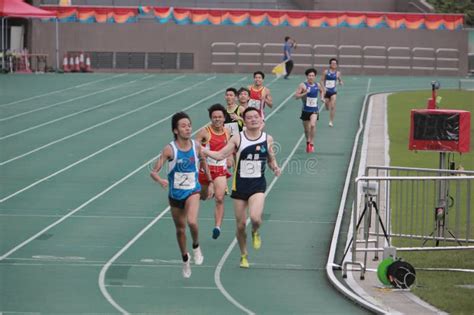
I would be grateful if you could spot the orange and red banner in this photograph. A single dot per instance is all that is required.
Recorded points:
(195, 16)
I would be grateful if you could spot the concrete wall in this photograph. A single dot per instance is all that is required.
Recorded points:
(149, 36)
(366, 5)
(356, 5)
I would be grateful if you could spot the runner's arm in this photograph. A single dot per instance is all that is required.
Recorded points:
(166, 155)
(203, 164)
(339, 78)
(322, 90)
(225, 151)
(301, 91)
(323, 78)
(272, 162)
(268, 99)
(202, 136)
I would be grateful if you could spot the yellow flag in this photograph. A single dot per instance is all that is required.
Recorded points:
(64, 3)
(279, 69)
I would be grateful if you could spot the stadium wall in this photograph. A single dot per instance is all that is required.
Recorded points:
(147, 36)
(366, 5)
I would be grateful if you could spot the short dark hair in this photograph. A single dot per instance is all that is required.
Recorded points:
(215, 108)
(333, 59)
(175, 119)
(259, 72)
(287, 38)
(308, 71)
(231, 89)
(250, 109)
(243, 89)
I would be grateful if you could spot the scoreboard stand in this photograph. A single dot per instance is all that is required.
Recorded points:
(443, 131)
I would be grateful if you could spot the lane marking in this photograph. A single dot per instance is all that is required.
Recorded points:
(89, 109)
(103, 149)
(103, 192)
(99, 124)
(71, 100)
(58, 91)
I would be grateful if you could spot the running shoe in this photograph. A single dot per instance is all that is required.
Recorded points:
(308, 147)
(216, 232)
(256, 241)
(244, 263)
(198, 257)
(311, 148)
(331, 124)
(187, 267)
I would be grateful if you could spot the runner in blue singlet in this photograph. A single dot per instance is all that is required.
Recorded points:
(329, 79)
(308, 92)
(183, 156)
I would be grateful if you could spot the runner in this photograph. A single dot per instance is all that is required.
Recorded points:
(308, 93)
(259, 95)
(182, 156)
(254, 149)
(244, 95)
(233, 120)
(329, 79)
(214, 137)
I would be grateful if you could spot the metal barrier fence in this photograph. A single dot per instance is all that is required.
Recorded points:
(412, 209)
(238, 55)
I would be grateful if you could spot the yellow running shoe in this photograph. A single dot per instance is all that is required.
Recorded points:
(257, 242)
(244, 263)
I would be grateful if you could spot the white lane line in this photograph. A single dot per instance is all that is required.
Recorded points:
(104, 122)
(217, 273)
(72, 212)
(81, 111)
(147, 218)
(63, 218)
(103, 271)
(72, 99)
(104, 148)
(59, 91)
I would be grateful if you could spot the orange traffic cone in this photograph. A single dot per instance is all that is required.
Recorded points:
(77, 67)
(81, 62)
(71, 63)
(66, 64)
(88, 64)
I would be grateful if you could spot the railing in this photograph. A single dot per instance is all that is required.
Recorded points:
(412, 209)
(382, 58)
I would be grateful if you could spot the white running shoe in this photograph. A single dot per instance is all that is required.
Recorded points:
(331, 124)
(198, 257)
(187, 267)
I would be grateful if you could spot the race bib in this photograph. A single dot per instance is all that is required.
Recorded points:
(184, 181)
(330, 84)
(233, 128)
(312, 101)
(254, 103)
(250, 169)
(211, 161)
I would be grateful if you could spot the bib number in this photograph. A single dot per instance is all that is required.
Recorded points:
(331, 84)
(254, 103)
(250, 169)
(312, 101)
(233, 127)
(184, 181)
(212, 162)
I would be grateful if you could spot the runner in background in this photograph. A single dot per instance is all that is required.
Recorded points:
(329, 79)
(214, 137)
